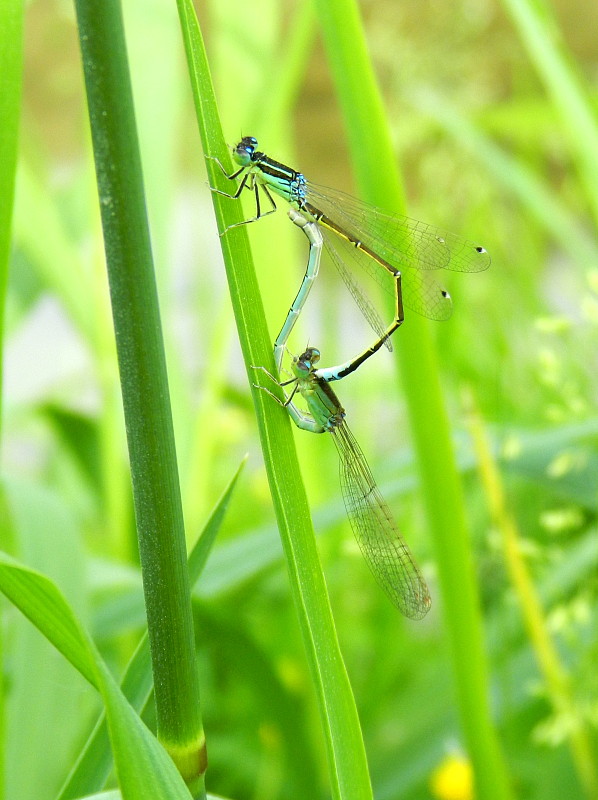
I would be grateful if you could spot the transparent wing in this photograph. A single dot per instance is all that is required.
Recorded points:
(405, 243)
(342, 252)
(421, 292)
(381, 544)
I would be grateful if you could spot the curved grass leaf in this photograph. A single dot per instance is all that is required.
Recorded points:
(95, 761)
(142, 765)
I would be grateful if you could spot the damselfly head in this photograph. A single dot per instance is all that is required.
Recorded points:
(244, 151)
(312, 354)
(308, 359)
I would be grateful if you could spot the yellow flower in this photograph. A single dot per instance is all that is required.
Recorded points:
(453, 779)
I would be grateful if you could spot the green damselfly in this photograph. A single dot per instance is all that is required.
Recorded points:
(314, 235)
(383, 244)
(375, 530)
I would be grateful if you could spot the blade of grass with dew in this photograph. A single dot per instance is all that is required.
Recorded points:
(348, 772)
(379, 182)
(144, 385)
(93, 766)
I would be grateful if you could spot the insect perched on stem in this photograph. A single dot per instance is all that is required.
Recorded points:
(384, 245)
(378, 537)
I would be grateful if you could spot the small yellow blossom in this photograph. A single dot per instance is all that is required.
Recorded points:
(453, 779)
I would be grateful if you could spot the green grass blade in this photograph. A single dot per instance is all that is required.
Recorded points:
(349, 777)
(559, 685)
(11, 58)
(51, 250)
(377, 176)
(143, 767)
(144, 383)
(11, 66)
(536, 195)
(42, 685)
(540, 34)
(117, 796)
(95, 761)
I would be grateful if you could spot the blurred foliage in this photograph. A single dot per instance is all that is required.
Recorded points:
(485, 154)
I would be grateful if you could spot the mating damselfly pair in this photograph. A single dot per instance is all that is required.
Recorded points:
(387, 246)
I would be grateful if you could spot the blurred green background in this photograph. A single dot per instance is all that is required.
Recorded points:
(495, 133)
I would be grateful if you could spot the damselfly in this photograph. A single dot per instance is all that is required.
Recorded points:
(314, 236)
(378, 537)
(382, 243)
